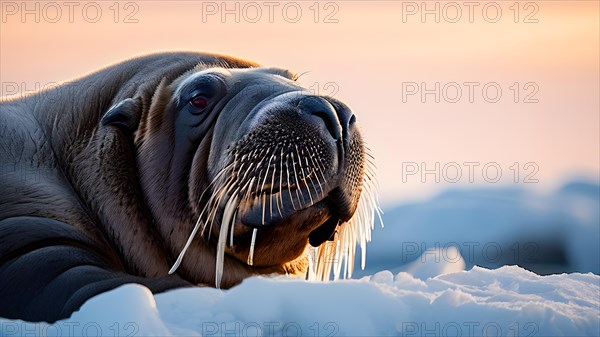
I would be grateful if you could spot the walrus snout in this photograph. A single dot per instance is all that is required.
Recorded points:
(301, 167)
(339, 121)
(297, 148)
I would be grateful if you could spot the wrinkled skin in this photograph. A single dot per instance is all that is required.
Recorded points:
(106, 177)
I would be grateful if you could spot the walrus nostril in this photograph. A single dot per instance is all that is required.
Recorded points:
(352, 120)
(331, 125)
(321, 108)
(345, 118)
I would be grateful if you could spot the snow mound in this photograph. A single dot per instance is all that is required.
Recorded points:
(508, 301)
(547, 233)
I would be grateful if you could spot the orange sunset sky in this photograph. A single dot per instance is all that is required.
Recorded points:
(376, 56)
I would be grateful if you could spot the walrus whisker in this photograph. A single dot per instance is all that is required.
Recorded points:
(249, 189)
(312, 183)
(238, 172)
(373, 184)
(297, 180)
(321, 167)
(297, 76)
(243, 178)
(287, 170)
(327, 258)
(305, 176)
(223, 191)
(337, 265)
(305, 155)
(185, 248)
(264, 202)
(252, 188)
(232, 229)
(370, 158)
(245, 190)
(250, 260)
(268, 166)
(187, 244)
(314, 167)
(317, 165)
(260, 164)
(265, 180)
(280, 181)
(212, 206)
(218, 178)
(230, 208)
(253, 153)
(369, 161)
(196, 226)
(271, 196)
(226, 169)
(272, 185)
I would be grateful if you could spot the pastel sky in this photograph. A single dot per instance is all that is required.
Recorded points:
(378, 57)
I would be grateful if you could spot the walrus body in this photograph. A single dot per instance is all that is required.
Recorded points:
(104, 179)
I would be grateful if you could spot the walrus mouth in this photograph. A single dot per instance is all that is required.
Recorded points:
(276, 203)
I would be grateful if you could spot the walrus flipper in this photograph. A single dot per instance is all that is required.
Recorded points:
(68, 270)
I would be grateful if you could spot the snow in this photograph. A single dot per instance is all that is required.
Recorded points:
(443, 301)
(546, 233)
(421, 279)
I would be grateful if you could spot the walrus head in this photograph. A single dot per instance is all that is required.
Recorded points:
(256, 165)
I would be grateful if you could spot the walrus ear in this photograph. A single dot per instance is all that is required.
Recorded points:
(125, 114)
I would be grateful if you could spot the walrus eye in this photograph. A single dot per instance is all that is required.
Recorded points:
(199, 102)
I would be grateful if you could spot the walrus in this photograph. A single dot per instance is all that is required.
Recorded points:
(174, 170)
